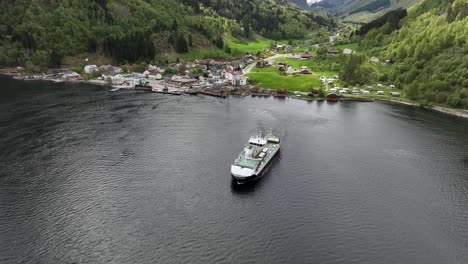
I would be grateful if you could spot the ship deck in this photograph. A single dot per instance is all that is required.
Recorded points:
(248, 163)
(242, 161)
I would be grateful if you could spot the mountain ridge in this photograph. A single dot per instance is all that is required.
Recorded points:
(360, 11)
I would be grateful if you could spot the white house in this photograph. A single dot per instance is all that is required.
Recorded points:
(348, 51)
(90, 68)
(154, 75)
(115, 78)
(140, 73)
(290, 70)
(70, 75)
(239, 80)
(230, 75)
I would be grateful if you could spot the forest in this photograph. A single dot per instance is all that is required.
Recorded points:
(39, 34)
(428, 49)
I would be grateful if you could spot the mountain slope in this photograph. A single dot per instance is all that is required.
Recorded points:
(360, 11)
(430, 50)
(301, 3)
(42, 32)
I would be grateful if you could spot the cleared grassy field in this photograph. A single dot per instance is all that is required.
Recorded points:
(352, 46)
(253, 46)
(270, 78)
(315, 66)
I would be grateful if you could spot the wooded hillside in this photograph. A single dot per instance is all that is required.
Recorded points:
(41, 33)
(430, 52)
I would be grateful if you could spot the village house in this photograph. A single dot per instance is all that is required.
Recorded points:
(348, 51)
(113, 77)
(154, 75)
(333, 97)
(290, 70)
(140, 73)
(239, 80)
(158, 68)
(229, 74)
(306, 57)
(70, 75)
(282, 66)
(375, 60)
(216, 83)
(90, 68)
(214, 76)
(304, 70)
(183, 80)
(333, 52)
(109, 68)
(280, 47)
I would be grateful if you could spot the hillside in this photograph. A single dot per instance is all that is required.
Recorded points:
(360, 11)
(40, 34)
(301, 3)
(429, 49)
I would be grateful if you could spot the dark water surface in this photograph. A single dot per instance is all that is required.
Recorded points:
(89, 176)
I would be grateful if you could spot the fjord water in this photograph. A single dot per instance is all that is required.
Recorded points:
(89, 176)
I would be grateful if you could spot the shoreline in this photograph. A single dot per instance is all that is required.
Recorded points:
(440, 109)
(448, 111)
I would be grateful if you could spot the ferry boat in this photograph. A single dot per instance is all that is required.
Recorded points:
(258, 152)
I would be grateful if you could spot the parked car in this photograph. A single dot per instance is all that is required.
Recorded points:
(395, 94)
(380, 93)
(366, 92)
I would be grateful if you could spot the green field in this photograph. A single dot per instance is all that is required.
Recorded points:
(270, 78)
(253, 46)
(352, 46)
(314, 65)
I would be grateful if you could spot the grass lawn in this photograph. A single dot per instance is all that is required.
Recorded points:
(352, 46)
(313, 65)
(270, 78)
(253, 46)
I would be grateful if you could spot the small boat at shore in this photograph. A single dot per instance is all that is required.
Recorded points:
(114, 89)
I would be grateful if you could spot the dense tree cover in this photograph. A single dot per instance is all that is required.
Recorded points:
(430, 52)
(356, 72)
(39, 33)
(392, 18)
